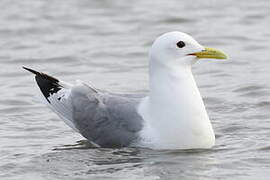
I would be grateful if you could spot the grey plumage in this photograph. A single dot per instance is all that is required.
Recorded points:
(108, 120)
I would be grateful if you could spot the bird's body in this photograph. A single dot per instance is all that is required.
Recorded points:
(172, 116)
(105, 119)
(176, 103)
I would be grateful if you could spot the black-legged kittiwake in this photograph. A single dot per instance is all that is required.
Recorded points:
(172, 116)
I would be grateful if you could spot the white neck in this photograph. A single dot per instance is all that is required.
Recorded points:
(174, 113)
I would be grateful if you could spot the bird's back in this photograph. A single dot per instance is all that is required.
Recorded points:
(108, 120)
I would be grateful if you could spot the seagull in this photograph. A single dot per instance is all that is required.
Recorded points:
(172, 116)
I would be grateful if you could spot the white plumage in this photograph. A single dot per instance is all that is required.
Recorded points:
(172, 116)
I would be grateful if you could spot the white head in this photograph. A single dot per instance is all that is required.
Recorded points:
(174, 106)
(178, 48)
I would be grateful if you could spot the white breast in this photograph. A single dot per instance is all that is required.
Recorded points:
(174, 113)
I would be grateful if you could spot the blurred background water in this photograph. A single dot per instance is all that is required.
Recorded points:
(106, 43)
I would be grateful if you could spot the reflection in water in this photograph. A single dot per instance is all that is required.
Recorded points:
(82, 144)
(127, 162)
(102, 161)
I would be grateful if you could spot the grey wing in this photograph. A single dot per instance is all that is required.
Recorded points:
(108, 120)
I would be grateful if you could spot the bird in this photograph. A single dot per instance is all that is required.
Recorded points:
(171, 116)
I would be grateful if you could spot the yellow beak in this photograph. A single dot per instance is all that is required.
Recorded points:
(210, 53)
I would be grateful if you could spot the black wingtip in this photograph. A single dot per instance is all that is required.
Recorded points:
(41, 75)
(31, 70)
(47, 84)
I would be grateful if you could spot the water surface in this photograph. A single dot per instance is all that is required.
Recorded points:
(105, 43)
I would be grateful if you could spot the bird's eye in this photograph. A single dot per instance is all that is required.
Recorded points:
(180, 44)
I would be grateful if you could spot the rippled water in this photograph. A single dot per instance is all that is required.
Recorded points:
(106, 43)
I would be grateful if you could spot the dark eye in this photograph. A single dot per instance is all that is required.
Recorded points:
(180, 44)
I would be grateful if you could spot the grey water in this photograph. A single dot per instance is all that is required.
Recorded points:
(105, 43)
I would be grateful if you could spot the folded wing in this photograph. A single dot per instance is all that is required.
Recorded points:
(106, 119)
